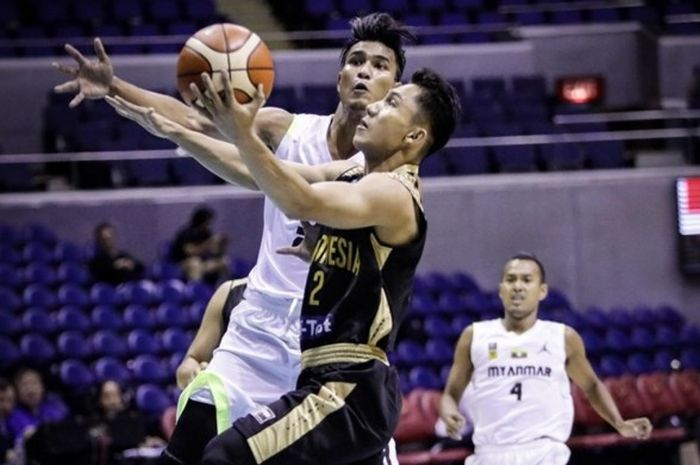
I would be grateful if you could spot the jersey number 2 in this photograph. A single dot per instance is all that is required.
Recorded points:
(318, 279)
(517, 390)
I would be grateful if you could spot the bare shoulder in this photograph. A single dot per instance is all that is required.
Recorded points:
(272, 124)
(572, 340)
(465, 339)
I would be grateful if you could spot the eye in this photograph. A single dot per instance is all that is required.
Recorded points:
(382, 65)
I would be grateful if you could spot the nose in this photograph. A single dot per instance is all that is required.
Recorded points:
(372, 108)
(364, 71)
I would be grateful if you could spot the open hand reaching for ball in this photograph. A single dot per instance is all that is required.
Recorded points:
(232, 118)
(90, 78)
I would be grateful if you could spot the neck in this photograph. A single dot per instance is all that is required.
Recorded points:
(342, 131)
(520, 325)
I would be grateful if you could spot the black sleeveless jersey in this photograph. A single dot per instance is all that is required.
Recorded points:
(357, 290)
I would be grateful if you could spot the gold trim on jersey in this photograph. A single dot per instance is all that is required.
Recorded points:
(300, 420)
(342, 352)
(408, 176)
(383, 322)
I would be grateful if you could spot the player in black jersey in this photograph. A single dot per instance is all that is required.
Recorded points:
(347, 401)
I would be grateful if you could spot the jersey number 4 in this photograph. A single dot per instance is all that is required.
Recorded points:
(517, 390)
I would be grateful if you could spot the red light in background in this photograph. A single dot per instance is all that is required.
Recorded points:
(580, 89)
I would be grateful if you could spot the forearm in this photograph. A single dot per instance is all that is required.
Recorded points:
(281, 182)
(448, 404)
(603, 403)
(163, 104)
(219, 157)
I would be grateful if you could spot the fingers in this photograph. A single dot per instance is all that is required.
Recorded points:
(69, 70)
(77, 100)
(228, 90)
(72, 51)
(70, 86)
(100, 51)
(210, 90)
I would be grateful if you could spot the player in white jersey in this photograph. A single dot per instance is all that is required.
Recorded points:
(519, 369)
(258, 357)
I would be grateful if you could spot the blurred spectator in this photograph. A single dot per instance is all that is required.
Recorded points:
(109, 264)
(34, 407)
(7, 404)
(200, 252)
(121, 426)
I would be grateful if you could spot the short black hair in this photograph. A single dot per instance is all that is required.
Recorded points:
(379, 27)
(201, 215)
(102, 225)
(440, 102)
(533, 258)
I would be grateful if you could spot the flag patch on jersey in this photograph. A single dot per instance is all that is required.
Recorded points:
(263, 414)
(493, 351)
(518, 353)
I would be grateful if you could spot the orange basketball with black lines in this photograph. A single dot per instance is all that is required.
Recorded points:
(228, 48)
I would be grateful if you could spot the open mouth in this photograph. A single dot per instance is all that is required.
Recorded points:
(360, 87)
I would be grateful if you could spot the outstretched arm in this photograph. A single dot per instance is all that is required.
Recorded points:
(459, 377)
(95, 79)
(580, 371)
(376, 200)
(220, 157)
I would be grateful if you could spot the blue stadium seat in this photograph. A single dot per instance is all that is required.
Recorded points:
(38, 320)
(639, 363)
(9, 354)
(72, 294)
(597, 318)
(137, 316)
(175, 340)
(424, 377)
(147, 369)
(104, 294)
(556, 300)
(460, 323)
(604, 15)
(10, 324)
(39, 273)
(463, 283)
(73, 273)
(107, 343)
(188, 172)
(664, 361)
(9, 277)
(612, 366)
(530, 18)
(9, 300)
(127, 11)
(68, 252)
(37, 252)
(171, 315)
(561, 156)
(670, 316)
(355, 7)
(171, 291)
(49, 12)
(142, 341)
(690, 336)
(431, 5)
(38, 233)
(196, 291)
(566, 17)
(110, 368)
(423, 304)
(203, 10)
(195, 312)
(393, 7)
(617, 341)
(532, 87)
(605, 154)
(36, 349)
(105, 317)
(162, 270)
(409, 353)
(141, 292)
(434, 165)
(621, 318)
(88, 12)
(152, 172)
(439, 352)
(152, 400)
(666, 337)
(319, 8)
(595, 345)
(76, 375)
(690, 359)
(488, 87)
(70, 318)
(641, 338)
(72, 344)
(438, 327)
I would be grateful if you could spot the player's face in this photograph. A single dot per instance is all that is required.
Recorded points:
(367, 74)
(390, 124)
(521, 288)
(7, 401)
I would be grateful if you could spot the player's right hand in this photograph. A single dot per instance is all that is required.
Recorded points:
(187, 370)
(454, 423)
(90, 78)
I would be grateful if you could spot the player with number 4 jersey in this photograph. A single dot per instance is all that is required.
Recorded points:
(519, 368)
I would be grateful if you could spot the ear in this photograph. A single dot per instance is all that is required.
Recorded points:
(416, 135)
(337, 83)
(544, 289)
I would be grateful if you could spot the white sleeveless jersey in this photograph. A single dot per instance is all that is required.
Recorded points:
(284, 275)
(521, 391)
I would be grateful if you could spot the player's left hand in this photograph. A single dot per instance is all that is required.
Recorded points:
(148, 118)
(637, 428)
(232, 119)
(305, 247)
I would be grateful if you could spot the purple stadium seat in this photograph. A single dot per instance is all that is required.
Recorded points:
(70, 318)
(175, 340)
(639, 363)
(105, 317)
(9, 300)
(73, 273)
(198, 291)
(39, 273)
(37, 252)
(138, 316)
(107, 343)
(604, 15)
(72, 344)
(76, 375)
(439, 352)
(515, 158)
(617, 341)
(434, 165)
(148, 369)
(424, 377)
(141, 292)
(36, 349)
(467, 160)
(561, 156)
(38, 320)
(9, 354)
(10, 324)
(409, 353)
(438, 327)
(170, 314)
(612, 366)
(142, 341)
(68, 252)
(151, 399)
(188, 172)
(605, 154)
(110, 368)
(38, 233)
(73, 294)
(9, 277)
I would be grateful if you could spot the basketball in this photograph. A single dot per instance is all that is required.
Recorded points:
(228, 48)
